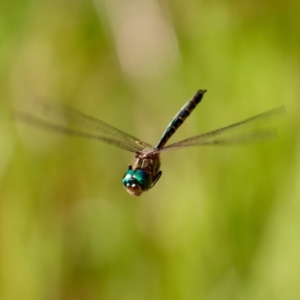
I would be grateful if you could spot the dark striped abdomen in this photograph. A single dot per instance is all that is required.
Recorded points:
(180, 118)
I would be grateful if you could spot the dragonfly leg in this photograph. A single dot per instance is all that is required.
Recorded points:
(156, 178)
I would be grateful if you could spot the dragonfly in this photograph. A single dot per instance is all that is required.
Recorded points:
(144, 172)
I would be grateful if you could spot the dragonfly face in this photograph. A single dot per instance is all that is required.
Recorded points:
(136, 181)
(144, 172)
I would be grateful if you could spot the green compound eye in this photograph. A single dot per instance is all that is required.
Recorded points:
(143, 179)
(136, 177)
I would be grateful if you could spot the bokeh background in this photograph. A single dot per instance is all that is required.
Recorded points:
(222, 223)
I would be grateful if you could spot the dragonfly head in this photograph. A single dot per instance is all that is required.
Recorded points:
(136, 182)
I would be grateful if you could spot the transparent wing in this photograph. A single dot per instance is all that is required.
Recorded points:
(70, 121)
(246, 131)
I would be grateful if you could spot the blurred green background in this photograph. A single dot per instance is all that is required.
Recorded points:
(222, 223)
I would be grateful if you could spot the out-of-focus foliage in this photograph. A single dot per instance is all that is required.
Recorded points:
(222, 223)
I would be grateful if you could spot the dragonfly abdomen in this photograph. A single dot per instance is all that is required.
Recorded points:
(185, 111)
